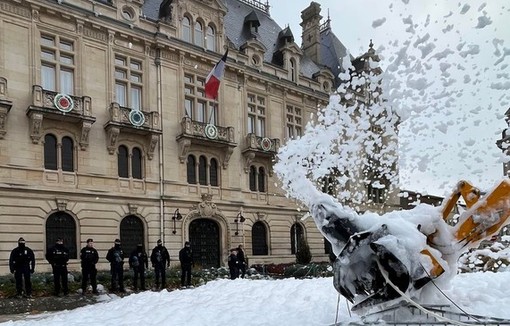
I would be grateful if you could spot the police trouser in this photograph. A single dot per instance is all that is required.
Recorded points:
(60, 278)
(19, 275)
(185, 274)
(139, 272)
(89, 272)
(160, 272)
(117, 272)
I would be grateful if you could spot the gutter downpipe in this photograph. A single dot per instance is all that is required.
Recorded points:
(157, 62)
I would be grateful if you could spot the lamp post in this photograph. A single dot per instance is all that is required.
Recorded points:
(239, 219)
(177, 217)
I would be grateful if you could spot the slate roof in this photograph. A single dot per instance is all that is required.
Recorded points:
(332, 53)
(237, 32)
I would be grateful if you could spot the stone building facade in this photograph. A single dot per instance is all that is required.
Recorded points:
(105, 130)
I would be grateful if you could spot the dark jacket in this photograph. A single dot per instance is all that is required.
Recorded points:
(138, 260)
(233, 261)
(22, 258)
(186, 256)
(160, 257)
(115, 256)
(89, 257)
(240, 256)
(58, 255)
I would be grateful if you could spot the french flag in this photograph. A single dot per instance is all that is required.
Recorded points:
(212, 82)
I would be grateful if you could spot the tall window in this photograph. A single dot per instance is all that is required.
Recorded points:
(206, 170)
(186, 29)
(136, 163)
(213, 173)
(58, 156)
(202, 170)
(125, 165)
(190, 167)
(198, 38)
(196, 105)
(257, 179)
(253, 178)
(57, 64)
(123, 161)
(211, 38)
(294, 121)
(50, 152)
(256, 115)
(296, 234)
(259, 239)
(62, 225)
(128, 82)
(67, 154)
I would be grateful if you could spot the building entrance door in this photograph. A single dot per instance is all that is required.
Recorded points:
(204, 236)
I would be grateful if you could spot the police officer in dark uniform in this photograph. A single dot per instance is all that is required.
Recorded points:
(116, 258)
(160, 259)
(58, 256)
(186, 259)
(22, 264)
(89, 258)
(138, 261)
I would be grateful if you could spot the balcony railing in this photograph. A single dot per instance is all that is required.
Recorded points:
(51, 105)
(128, 121)
(208, 135)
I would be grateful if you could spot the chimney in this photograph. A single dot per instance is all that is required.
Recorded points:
(310, 39)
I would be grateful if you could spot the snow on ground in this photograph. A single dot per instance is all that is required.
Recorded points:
(263, 302)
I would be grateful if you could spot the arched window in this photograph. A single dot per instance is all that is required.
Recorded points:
(293, 70)
(131, 233)
(190, 167)
(186, 29)
(67, 154)
(202, 170)
(262, 179)
(213, 172)
(50, 152)
(62, 225)
(259, 239)
(253, 178)
(136, 163)
(198, 38)
(122, 161)
(211, 38)
(296, 234)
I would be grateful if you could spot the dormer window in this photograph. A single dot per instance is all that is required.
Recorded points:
(252, 21)
(186, 29)
(211, 39)
(198, 38)
(293, 75)
(254, 27)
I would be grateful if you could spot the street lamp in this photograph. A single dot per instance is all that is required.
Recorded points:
(177, 216)
(239, 219)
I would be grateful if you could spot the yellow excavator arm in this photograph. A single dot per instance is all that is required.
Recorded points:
(483, 218)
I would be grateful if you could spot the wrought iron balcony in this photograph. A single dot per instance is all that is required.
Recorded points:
(257, 146)
(195, 133)
(127, 121)
(61, 107)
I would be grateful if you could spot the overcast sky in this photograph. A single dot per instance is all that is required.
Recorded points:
(456, 114)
